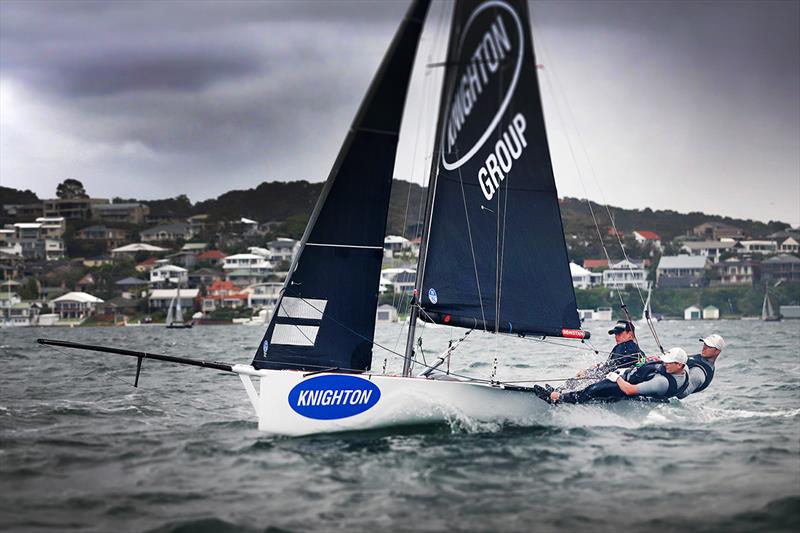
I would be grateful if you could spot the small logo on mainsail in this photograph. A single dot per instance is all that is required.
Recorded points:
(432, 296)
(265, 346)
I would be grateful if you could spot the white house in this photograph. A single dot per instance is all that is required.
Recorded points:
(282, 249)
(255, 263)
(625, 274)
(710, 313)
(386, 313)
(692, 313)
(75, 305)
(760, 247)
(160, 298)
(396, 243)
(643, 237)
(709, 249)
(790, 246)
(583, 278)
(169, 274)
(263, 295)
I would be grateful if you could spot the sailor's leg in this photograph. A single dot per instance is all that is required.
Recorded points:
(600, 391)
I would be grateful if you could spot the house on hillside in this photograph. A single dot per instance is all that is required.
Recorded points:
(592, 264)
(734, 271)
(75, 305)
(789, 245)
(160, 298)
(263, 295)
(167, 232)
(644, 237)
(185, 259)
(692, 313)
(710, 313)
(165, 275)
(132, 288)
(205, 277)
(212, 257)
(625, 274)
(111, 237)
(130, 213)
(282, 249)
(583, 278)
(710, 249)
(131, 250)
(223, 294)
(714, 231)
(757, 247)
(780, 267)
(676, 271)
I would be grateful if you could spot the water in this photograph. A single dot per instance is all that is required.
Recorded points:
(81, 450)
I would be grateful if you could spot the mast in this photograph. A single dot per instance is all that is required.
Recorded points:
(423, 245)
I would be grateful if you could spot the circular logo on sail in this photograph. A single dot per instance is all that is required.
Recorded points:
(265, 346)
(490, 51)
(432, 296)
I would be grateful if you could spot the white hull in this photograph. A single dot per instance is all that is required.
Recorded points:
(400, 401)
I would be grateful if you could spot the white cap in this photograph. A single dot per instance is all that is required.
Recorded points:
(675, 355)
(714, 341)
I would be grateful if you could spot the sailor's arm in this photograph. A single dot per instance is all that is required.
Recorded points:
(652, 387)
(624, 386)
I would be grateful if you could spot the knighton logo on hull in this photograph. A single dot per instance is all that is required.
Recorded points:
(333, 397)
(491, 50)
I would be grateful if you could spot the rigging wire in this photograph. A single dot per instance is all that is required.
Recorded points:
(553, 89)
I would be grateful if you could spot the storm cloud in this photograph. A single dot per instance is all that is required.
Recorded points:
(681, 101)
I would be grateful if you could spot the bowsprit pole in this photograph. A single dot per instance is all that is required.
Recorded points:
(140, 355)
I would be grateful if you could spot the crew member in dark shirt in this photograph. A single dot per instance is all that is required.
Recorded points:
(625, 354)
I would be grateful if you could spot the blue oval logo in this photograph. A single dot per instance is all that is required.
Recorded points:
(333, 397)
(432, 296)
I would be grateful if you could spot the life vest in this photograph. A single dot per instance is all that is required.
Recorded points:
(697, 361)
(648, 370)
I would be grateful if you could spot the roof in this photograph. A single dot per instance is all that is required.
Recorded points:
(782, 258)
(248, 221)
(84, 297)
(168, 228)
(189, 246)
(222, 286)
(164, 294)
(131, 281)
(595, 263)
(282, 243)
(681, 261)
(109, 207)
(577, 270)
(648, 235)
(149, 261)
(169, 268)
(245, 256)
(708, 245)
(28, 225)
(212, 254)
(138, 247)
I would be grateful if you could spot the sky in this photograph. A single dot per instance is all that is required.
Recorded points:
(691, 106)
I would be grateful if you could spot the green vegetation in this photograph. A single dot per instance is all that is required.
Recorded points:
(733, 302)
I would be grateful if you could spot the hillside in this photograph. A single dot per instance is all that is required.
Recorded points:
(292, 203)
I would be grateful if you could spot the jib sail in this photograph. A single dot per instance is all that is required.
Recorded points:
(325, 317)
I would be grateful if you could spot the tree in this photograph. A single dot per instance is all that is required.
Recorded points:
(70, 188)
(30, 291)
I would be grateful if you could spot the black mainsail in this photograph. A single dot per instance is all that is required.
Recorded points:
(325, 317)
(495, 256)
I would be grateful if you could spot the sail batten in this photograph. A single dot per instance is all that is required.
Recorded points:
(496, 256)
(341, 251)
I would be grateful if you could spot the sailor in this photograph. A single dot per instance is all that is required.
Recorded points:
(701, 366)
(658, 380)
(625, 354)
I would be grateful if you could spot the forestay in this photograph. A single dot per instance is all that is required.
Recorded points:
(495, 256)
(325, 317)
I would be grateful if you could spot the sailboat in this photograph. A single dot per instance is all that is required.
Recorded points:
(767, 312)
(647, 311)
(493, 256)
(176, 321)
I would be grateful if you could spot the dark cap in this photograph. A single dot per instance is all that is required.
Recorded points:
(620, 326)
